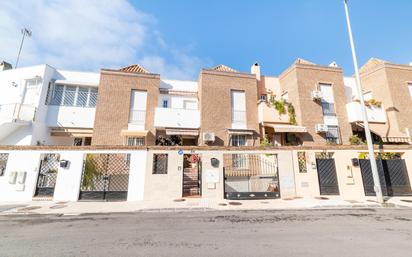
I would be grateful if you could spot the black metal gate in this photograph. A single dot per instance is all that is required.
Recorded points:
(393, 177)
(47, 177)
(328, 181)
(250, 176)
(105, 177)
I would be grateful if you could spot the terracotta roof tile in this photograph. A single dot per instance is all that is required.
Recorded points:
(135, 68)
(224, 68)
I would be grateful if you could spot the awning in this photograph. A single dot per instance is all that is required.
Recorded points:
(71, 132)
(387, 135)
(135, 133)
(182, 132)
(240, 131)
(287, 128)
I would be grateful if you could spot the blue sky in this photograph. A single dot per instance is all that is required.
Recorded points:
(177, 38)
(276, 32)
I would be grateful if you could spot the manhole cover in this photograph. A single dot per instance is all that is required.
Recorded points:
(235, 203)
(179, 200)
(407, 201)
(30, 208)
(61, 202)
(58, 206)
(288, 199)
(322, 198)
(352, 201)
(265, 202)
(222, 204)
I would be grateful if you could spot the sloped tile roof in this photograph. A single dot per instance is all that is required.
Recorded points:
(134, 68)
(371, 63)
(303, 61)
(224, 68)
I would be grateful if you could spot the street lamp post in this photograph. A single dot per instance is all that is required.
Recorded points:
(25, 32)
(372, 158)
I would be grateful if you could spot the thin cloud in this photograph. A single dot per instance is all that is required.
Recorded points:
(89, 35)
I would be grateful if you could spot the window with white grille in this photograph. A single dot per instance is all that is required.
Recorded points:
(68, 95)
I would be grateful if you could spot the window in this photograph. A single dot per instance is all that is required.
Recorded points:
(238, 108)
(263, 98)
(332, 135)
(138, 107)
(78, 141)
(327, 102)
(238, 140)
(3, 162)
(165, 104)
(134, 141)
(302, 162)
(410, 89)
(189, 105)
(159, 164)
(65, 95)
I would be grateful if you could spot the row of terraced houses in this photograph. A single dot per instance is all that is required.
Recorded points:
(307, 104)
(129, 134)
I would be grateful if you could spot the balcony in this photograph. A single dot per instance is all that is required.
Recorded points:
(268, 114)
(70, 116)
(375, 113)
(176, 118)
(17, 113)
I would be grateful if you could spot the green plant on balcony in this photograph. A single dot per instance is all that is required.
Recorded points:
(265, 141)
(373, 102)
(280, 106)
(292, 114)
(356, 140)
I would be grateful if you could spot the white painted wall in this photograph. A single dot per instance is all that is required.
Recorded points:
(27, 161)
(138, 164)
(70, 116)
(178, 102)
(176, 118)
(374, 113)
(68, 179)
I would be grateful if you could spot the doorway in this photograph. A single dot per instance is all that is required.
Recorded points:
(191, 175)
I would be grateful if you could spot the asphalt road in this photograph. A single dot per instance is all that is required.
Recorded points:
(366, 232)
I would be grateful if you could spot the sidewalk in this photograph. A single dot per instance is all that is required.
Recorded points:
(77, 208)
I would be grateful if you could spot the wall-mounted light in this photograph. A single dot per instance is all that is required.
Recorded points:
(14, 84)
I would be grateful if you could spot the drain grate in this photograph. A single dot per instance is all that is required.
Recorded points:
(179, 200)
(222, 204)
(235, 203)
(322, 198)
(406, 201)
(30, 208)
(58, 206)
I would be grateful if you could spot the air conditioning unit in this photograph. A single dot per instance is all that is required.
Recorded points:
(321, 128)
(208, 137)
(316, 94)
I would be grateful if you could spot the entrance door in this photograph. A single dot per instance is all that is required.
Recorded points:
(328, 181)
(105, 177)
(46, 180)
(393, 177)
(191, 175)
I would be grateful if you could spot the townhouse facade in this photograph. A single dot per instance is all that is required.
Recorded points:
(306, 105)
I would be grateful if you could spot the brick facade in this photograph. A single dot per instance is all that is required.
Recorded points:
(113, 105)
(299, 81)
(215, 104)
(389, 84)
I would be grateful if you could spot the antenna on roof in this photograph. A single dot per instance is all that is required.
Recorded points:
(25, 32)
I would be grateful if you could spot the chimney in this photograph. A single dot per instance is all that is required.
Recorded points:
(333, 64)
(255, 69)
(5, 66)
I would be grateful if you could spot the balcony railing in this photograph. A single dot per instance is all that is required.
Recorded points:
(137, 117)
(17, 112)
(238, 117)
(328, 109)
(375, 113)
(177, 118)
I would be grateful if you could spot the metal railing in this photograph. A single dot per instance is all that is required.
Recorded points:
(137, 116)
(328, 109)
(238, 117)
(17, 112)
